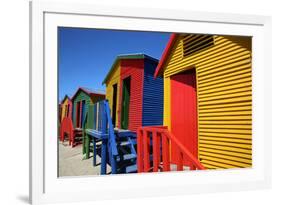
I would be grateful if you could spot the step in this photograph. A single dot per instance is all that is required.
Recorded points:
(127, 157)
(127, 143)
(131, 168)
(124, 133)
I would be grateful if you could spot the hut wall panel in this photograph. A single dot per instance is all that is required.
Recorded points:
(63, 108)
(97, 98)
(79, 97)
(70, 108)
(113, 79)
(167, 103)
(224, 93)
(133, 68)
(152, 96)
(90, 117)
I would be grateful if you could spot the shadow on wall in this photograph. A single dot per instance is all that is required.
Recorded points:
(23, 198)
(241, 41)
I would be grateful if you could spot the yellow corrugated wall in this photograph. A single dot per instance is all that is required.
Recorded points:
(167, 109)
(113, 79)
(64, 108)
(224, 94)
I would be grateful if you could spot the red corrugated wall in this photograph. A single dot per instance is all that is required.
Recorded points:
(135, 69)
(70, 109)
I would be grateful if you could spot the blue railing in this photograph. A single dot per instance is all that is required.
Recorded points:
(112, 142)
(103, 130)
(112, 151)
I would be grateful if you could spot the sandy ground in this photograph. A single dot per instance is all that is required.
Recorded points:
(71, 162)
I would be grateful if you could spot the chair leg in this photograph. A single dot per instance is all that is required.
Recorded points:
(83, 143)
(103, 156)
(94, 153)
(87, 146)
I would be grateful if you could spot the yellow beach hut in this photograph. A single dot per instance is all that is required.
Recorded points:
(66, 108)
(208, 97)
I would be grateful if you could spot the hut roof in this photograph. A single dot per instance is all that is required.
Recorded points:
(89, 92)
(127, 56)
(165, 55)
(65, 97)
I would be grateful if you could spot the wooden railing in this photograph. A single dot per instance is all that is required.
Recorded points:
(159, 139)
(66, 127)
(100, 128)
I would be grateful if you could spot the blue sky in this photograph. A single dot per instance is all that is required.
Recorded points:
(86, 55)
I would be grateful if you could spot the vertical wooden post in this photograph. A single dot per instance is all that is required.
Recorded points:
(140, 150)
(104, 147)
(179, 161)
(70, 133)
(158, 148)
(95, 117)
(103, 156)
(113, 164)
(87, 146)
(192, 167)
(80, 117)
(84, 141)
(146, 154)
(155, 151)
(165, 153)
(94, 152)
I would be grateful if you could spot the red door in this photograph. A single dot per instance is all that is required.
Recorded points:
(184, 112)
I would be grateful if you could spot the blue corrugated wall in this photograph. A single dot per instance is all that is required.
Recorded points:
(152, 95)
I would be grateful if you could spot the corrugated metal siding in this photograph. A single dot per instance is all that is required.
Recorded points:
(97, 98)
(63, 108)
(79, 97)
(152, 96)
(133, 68)
(69, 102)
(90, 117)
(113, 79)
(224, 93)
(184, 113)
(167, 103)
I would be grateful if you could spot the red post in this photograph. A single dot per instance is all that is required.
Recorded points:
(140, 150)
(192, 167)
(187, 153)
(156, 150)
(61, 133)
(165, 153)
(146, 151)
(179, 161)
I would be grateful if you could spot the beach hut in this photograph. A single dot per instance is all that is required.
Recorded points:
(135, 97)
(81, 99)
(208, 97)
(65, 108)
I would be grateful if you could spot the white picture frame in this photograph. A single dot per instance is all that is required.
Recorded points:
(46, 187)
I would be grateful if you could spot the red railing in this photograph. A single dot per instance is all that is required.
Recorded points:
(157, 136)
(66, 128)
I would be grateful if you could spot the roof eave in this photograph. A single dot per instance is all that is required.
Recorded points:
(126, 57)
(165, 55)
(85, 91)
